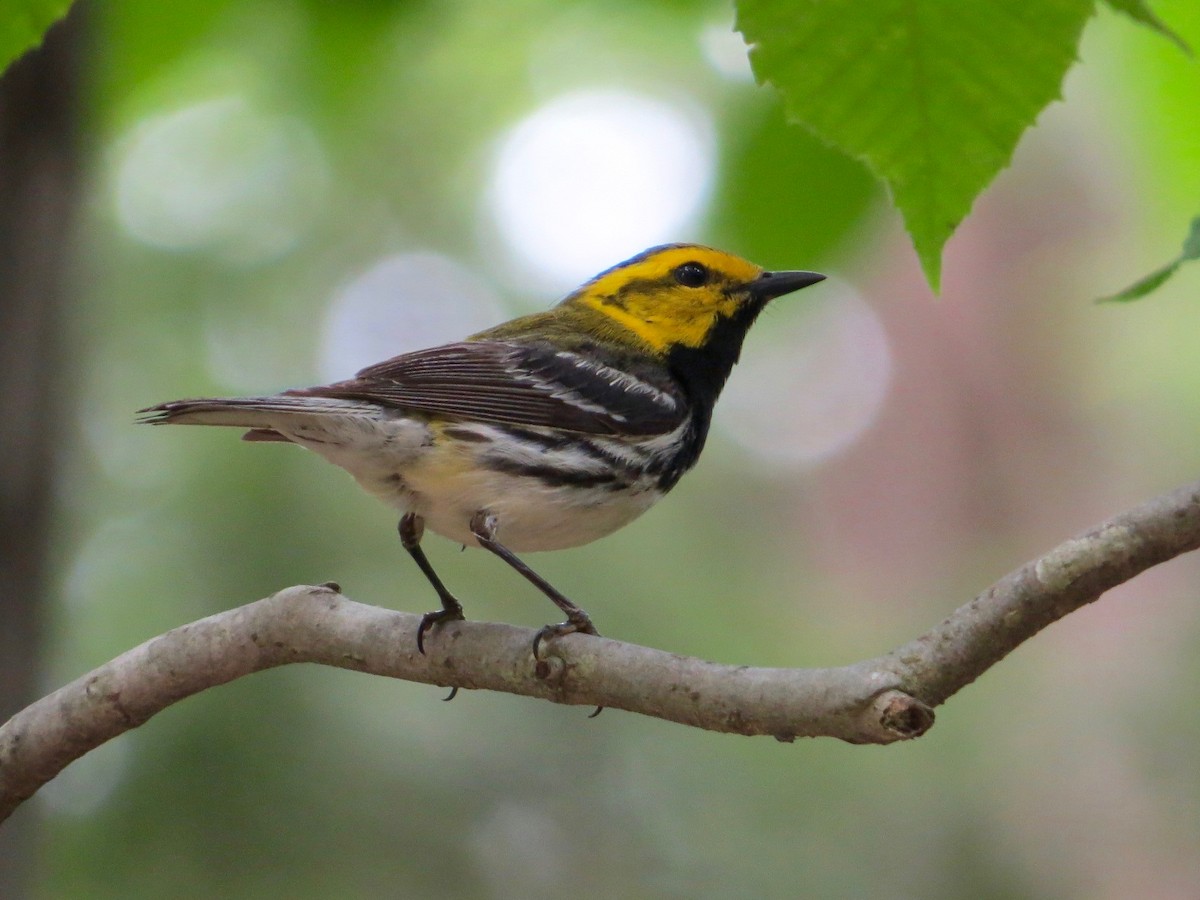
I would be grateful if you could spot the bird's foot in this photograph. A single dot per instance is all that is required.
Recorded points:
(576, 624)
(446, 614)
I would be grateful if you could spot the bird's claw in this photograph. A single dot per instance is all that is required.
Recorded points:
(435, 618)
(582, 625)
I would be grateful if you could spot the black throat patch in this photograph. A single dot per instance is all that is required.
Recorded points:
(702, 372)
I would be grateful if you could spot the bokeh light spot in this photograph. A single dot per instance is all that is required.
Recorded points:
(596, 176)
(220, 177)
(403, 303)
(798, 402)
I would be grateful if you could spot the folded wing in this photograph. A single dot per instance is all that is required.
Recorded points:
(518, 384)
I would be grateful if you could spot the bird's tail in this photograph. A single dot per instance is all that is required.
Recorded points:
(259, 414)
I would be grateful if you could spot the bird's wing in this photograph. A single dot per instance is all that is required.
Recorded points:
(513, 383)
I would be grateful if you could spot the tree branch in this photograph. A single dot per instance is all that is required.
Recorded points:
(876, 701)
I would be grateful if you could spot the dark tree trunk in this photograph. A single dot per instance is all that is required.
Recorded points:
(39, 181)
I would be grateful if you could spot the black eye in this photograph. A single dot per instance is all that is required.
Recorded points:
(691, 274)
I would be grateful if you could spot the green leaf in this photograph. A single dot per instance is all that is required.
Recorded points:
(1139, 11)
(932, 94)
(1151, 282)
(23, 24)
(1191, 244)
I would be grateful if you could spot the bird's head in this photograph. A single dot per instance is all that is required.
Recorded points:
(681, 297)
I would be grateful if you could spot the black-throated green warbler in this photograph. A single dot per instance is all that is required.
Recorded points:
(545, 432)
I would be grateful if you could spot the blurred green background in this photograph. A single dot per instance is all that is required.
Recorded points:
(279, 192)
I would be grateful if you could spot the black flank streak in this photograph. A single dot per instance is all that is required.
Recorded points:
(552, 477)
(466, 434)
(566, 442)
(540, 439)
(599, 453)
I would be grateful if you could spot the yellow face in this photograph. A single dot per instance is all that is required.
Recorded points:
(671, 295)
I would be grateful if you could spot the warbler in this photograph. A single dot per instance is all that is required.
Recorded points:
(548, 431)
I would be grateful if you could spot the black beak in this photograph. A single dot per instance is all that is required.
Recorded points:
(770, 285)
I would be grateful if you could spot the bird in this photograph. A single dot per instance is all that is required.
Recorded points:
(545, 432)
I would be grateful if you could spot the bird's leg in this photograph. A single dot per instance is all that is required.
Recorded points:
(411, 528)
(483, 526)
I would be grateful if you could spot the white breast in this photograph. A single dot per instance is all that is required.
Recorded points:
(411, 467)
